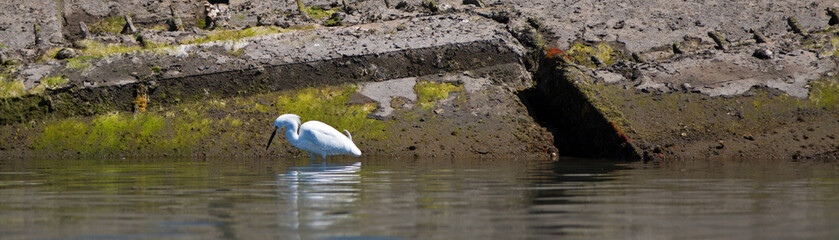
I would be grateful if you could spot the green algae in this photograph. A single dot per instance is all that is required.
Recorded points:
(834, 42)
(224, 35)
(224, 125)
(201, 23)
(48, 55)
(329, 105)
(48, 82)
(96, 49)
(825, 93)
(10, 88)
(596, 94)
(332, 22)
(315, 11)
(80, 63)
(104, 134)
(428, 93)
(108, 25)
(582, 54)
(115, 133)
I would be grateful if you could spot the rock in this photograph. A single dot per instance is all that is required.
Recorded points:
(763, 53)
(501, 16)
(686, 87)
(596, 60)
(66, 53)
(347, 7)
(129, 26)
(175, 23)
(637, 57)
(431, 5)
(38, 39)
(477, 3)
(335, 19)
(795, 26)
(526, 35)
(402, 5)
(722, 44)
(535, 22)
(83, 29)
(609, 77)
(834, 16)
(12, 62)
(759, 37)
(216, 15)
(677, 48)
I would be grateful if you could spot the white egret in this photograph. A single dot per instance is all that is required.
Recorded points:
(317, 138)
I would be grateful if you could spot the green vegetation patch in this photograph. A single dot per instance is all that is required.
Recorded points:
(835, 51)
(428, 93)
(333, 21)
(315, 11)
(108, 25)
(49, 82)
(581, 54)
(97, 49)
(598, 95)
(10, 87)
(825, 93)
(201, 23)
(223, 35)
(329, 105)
(114, 133)
(217, 125)
(48, 55)
(80, 63)
(93, 50)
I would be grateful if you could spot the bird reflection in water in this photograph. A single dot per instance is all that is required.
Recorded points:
(317, 196)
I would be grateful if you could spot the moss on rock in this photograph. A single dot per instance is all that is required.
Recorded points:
(428, 93)
(582, 54)
(224, 125)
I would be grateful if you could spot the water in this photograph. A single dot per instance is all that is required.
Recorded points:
(416, 199)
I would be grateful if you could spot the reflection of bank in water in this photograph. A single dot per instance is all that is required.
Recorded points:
(317, 196)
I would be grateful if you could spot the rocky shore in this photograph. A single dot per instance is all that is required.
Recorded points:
(494, 79)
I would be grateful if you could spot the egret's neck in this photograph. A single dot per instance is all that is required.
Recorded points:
(291, 133)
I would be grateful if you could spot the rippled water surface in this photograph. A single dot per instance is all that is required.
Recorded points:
(416, 199)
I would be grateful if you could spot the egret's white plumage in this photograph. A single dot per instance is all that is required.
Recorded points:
(317, 138)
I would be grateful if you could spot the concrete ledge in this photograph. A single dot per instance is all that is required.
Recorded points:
(267, 63)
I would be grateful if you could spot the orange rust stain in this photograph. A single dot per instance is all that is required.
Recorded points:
(553, 52)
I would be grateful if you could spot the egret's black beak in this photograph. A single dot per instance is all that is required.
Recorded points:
(272, 138)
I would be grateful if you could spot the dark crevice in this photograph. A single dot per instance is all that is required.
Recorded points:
(579, 129)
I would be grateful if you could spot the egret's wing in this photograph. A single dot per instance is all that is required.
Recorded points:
(325, 137)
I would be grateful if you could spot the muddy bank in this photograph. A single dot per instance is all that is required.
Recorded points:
(713, 102)
(446, 117)
(428, 78)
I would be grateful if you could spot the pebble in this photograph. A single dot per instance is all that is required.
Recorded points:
(763, 53)
(65, 53)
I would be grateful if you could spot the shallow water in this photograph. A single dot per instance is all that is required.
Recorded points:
(416, 199)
